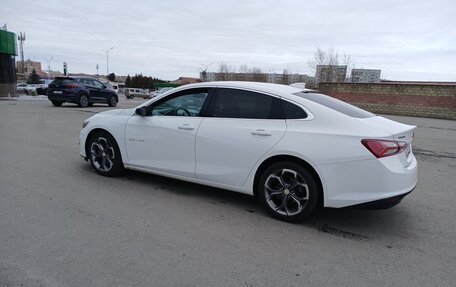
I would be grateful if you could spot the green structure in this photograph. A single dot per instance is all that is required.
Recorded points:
(8, 52)
(165, 85)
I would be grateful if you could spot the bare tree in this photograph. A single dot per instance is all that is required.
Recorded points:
(319, 58)
(350, 63)
(244, 73)
(286, 77)
(258, 75)
(329, 66)
(224, 72)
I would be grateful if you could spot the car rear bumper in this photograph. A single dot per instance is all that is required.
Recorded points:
(381, 203)
(63, 97)
(370, 182)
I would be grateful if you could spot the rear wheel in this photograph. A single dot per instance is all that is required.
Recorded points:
(112, 101)
(57, 103)
(288, 191)
(83, 101)
(104, 154)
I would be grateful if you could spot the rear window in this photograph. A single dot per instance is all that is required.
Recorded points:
(61, 82)
(335, 104)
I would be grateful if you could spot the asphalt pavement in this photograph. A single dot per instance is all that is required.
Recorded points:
(63, 225)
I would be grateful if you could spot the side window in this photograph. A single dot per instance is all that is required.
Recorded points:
(97, 84)
(233, 103)
(293, 111)
(87, 82)
(186, 103)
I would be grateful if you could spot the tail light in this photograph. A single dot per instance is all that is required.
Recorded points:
(70, 85)
(383, 148)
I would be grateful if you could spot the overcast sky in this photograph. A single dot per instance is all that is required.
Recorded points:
(407, 40)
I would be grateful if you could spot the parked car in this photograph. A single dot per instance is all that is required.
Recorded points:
(83, 91)
(42, 87)
(294, 149)
(159, 92)
(20, 87)
(115, 87)
(30, 89)
(131, 93)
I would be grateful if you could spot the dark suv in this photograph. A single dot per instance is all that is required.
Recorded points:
(83, 91)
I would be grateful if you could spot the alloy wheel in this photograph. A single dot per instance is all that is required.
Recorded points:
(286, 192)
(102, 154)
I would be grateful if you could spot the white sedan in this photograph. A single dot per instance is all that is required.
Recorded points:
(294, 149)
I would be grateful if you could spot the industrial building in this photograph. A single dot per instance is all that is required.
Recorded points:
(330, 73)
(365, 76)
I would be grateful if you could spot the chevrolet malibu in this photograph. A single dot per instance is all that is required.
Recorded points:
(294, 149)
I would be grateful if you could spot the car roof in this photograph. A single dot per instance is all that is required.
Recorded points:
(76, 77)
(257, 86)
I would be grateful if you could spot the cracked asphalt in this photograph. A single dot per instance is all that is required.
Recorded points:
(63, 225)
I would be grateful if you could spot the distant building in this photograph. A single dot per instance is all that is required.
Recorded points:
(28, 67)
(365, 76)
(275, 78)
(330, 73)
(185, 81)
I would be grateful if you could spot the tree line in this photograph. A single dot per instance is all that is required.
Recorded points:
(143, 82)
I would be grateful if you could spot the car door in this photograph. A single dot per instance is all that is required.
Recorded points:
(100, 91)
(240, 127)
(93, 90)
(164, 139)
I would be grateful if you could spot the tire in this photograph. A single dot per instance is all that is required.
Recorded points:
(288, 191)
(83, 101)
(112, 101)
(57, 103)
(104, 154)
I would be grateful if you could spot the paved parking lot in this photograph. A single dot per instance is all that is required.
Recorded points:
(63, 225)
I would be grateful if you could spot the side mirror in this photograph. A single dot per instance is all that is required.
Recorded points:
(142, 111)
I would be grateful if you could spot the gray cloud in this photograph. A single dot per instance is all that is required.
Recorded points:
(410, 40)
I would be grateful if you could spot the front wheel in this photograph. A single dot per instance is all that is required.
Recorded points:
(112, 101)
(104, 154)
(288, 191)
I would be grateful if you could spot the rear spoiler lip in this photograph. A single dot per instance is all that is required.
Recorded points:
(393, 128)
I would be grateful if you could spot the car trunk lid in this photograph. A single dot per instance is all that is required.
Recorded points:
(400, 132)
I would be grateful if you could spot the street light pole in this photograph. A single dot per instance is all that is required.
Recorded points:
(107, 60)
(49, 67)
(206, 66)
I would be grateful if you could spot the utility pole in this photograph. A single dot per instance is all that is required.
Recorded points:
(21, 39)
(49, 67)
(107, 60)
(97, 70)
(206, 66)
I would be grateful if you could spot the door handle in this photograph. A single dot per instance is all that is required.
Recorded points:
(185, 127)
(261, 132)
